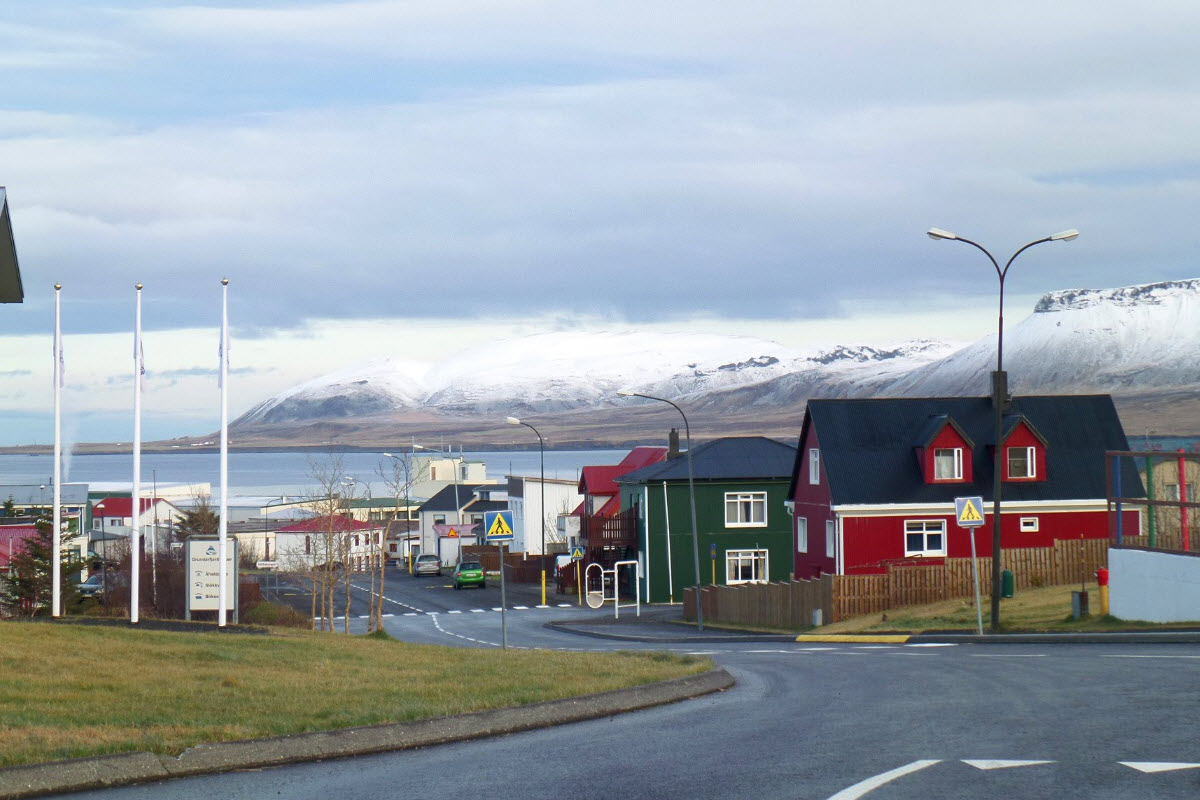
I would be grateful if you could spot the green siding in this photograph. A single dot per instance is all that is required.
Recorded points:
(775, 537)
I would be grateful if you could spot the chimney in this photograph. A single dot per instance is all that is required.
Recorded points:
(673, 444)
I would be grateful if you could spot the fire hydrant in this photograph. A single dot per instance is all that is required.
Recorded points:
(1102, 580)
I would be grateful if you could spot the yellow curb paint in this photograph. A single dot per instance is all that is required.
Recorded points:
(888, 638)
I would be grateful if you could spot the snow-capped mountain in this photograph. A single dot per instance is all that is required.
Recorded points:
(552, 372)
(1102, 340)
(1140, 343)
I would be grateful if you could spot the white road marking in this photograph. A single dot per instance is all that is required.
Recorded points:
(874, 647)
(454, 612)
(497, 608)
(862, 787)
(932, 644)
(1002, 764)
(1157, 766)
(1146, 656)
(565, 605)
(411, 614)
(521, 608)
(478, 611)
(385, 616)
(537, 606)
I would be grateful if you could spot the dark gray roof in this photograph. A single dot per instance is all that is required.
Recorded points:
(868, 452)
(33, 494)
(733, 458)
(483, 506)
(11, 290)
(445, 499)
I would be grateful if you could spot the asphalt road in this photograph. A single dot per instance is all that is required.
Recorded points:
(804, 721)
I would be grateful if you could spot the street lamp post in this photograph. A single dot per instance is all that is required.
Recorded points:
(266, 518)
(1000, 397)
(691, 496)
(542, 458)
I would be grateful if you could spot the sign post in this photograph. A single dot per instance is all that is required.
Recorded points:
(498, 528)
(967, 511)
(577, 557)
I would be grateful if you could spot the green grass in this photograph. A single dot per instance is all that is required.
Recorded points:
(1046, 609)
(68, 691)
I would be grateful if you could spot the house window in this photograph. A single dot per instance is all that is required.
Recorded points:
(1172, 490)
(925, 537)
(829, 537)
(1029, 524)
(307, 545)
(814, 466)
(947, 464)
(439, 519)
(1021, 463)
(801, 534)
(745, 509)
(745, 566)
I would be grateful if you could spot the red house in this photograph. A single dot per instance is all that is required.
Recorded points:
(875, 480)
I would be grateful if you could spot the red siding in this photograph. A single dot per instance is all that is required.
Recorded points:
(871, 543)
(1023, 437)
(949, 437)
(812, 503)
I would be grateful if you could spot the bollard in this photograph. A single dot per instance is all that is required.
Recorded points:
(1102, 581)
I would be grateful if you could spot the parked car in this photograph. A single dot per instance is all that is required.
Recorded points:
(100, 582)
(427, 564)
(469, 573)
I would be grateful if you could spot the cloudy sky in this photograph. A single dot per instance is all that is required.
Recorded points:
(412, 178)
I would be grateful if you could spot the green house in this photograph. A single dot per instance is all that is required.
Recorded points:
(743, 527)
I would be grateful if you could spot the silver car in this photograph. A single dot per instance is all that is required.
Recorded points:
(427, 564)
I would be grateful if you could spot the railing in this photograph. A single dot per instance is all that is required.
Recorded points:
(621, 530)
(788, 605)
(1165, 494)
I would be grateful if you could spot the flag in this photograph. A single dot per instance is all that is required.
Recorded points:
(58, 349)
(223, 346)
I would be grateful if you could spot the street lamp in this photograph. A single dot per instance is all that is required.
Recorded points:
(542, 457)
(691, 495)
(266, 516)
(1000, 396)
(408, 482)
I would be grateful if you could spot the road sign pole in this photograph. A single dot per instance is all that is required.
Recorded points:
(975, 577)
(503, 604)
(578, 583)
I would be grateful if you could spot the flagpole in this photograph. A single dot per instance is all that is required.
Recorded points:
(56, 570)
(135, 542)
(223, 376)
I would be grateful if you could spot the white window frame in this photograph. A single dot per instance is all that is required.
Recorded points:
(1030, 465)
(757, 560)
(740, 502)
(801, 534)
(814, 466)
(830, 538)
(956, 465)
(1029, 524)
(926, 527)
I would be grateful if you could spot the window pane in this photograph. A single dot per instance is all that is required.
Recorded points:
(946, 464)
(933, 542)
(915, 542)
(731, 511)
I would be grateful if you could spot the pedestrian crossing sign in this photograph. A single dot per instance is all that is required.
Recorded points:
(969, 511)
(498, 526)
(576, 553)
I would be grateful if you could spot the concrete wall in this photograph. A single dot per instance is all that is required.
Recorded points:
(1157, 587)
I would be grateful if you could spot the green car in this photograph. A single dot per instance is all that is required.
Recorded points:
(469, 573)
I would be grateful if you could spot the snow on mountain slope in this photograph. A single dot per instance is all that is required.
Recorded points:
(1108, 340)
(370, 387)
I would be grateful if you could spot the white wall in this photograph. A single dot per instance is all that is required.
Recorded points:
(1156, 587)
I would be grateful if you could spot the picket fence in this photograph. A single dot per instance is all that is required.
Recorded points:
(790, 605)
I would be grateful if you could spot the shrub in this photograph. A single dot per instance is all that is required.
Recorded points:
(266, 613)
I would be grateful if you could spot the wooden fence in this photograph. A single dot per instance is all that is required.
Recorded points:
(1071, 561)
(789, 605)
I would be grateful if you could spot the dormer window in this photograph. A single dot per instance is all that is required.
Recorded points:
(1022, 462)
(947, 464)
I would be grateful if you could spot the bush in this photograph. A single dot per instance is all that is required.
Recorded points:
(266, 613)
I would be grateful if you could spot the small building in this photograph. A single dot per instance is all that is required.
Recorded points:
(874, 480)
(525, 494)
(742, 526)
(606, 534)
(449, 519)
(313, 542)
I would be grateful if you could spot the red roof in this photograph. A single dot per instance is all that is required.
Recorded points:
(121, 506)
(610, 508)
(602, 480)
(11, 539)
(323, 524)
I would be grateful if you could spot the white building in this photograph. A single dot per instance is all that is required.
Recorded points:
(529, 516)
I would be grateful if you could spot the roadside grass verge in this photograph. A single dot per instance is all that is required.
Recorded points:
(69, 691)
(1046, 609)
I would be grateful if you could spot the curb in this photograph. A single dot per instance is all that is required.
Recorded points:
(131, 768)
(568, 626)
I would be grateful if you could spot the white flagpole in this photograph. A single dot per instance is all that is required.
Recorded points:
(223, 379)
(56, 570)
(135, 542)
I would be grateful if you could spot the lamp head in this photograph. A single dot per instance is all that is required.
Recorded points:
(626, 393)
(938, 233)
(512, 420)
(388, 455)
(1065, 236)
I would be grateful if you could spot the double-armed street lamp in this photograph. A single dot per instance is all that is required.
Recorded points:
(691, 496)
(1000, 396)
(408, 482)
(542, 457)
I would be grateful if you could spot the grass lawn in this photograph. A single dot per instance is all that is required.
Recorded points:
(1044, 609)
(68, 691)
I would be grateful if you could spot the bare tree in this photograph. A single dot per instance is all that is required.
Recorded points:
(399, 474)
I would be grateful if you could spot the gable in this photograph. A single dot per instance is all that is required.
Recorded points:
(868, 447)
